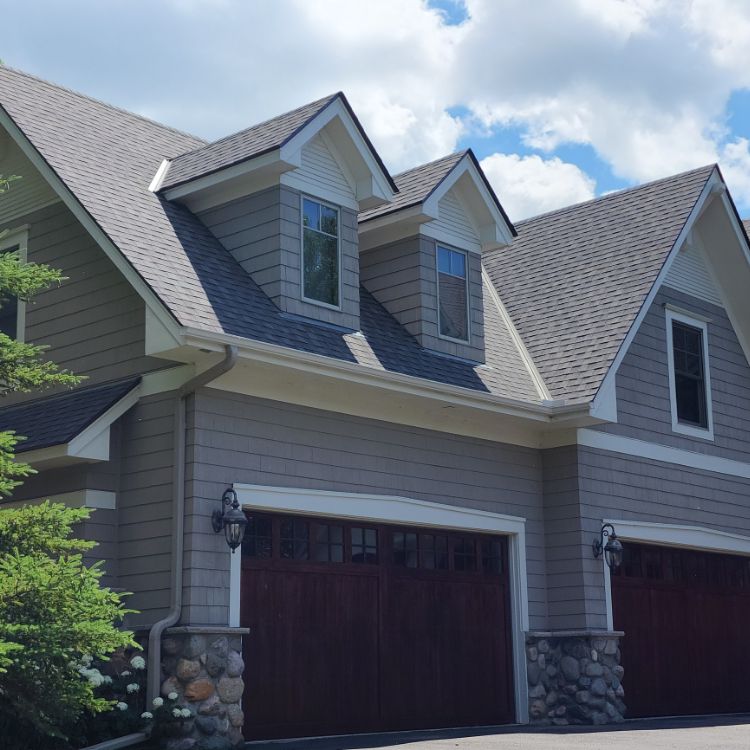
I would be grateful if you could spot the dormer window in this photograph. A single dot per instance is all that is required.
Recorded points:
(320, 253)
(453, 293)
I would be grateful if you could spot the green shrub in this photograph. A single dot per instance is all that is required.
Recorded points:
(54, 617)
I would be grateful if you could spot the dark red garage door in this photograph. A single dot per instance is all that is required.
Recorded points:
(685, 615)
(362, 627)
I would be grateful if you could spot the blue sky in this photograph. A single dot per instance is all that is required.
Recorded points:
(562, 100)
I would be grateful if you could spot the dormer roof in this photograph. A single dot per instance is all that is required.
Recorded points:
(422, 188)
(273, 147)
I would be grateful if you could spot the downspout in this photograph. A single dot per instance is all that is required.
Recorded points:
(153, 682)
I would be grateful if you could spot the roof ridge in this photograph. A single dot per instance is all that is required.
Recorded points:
(223, 138)
(101, 102)
(614, 194)
(460, 153)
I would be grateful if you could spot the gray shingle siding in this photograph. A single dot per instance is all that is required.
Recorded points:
(629, 488)
(248, 440)
(402, 276)
(263, 232)
(94, 322)
(642, 383)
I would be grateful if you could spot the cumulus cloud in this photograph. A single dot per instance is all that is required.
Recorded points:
(644, 83)
(529, 185)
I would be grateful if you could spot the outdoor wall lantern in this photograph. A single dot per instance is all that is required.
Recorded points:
(230, 518)
(612, 549)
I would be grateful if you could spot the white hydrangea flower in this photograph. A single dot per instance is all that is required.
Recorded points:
(86, 659)
(147, 715)
(172, 696)
(138, 662)
(186, 713)
(107, 679)
(158, 702)
(133, 687)
(176, 712)
(122, 706)
(94, 676)
(126, 673)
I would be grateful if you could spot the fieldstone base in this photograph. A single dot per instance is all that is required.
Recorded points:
(574, 677)
(204, 666)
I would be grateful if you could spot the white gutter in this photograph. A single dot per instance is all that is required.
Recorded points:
(544, 411)
(153, 681)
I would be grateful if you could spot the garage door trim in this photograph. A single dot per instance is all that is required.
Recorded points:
(403, 510)
(672, 535)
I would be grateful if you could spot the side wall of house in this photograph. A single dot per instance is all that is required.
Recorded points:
(93, 322)
(234, 438)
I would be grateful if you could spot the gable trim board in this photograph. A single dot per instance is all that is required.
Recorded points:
(664, 453)
(74, 499)
(672, 535)
(604, 404)
(153, 303)
(402, 510)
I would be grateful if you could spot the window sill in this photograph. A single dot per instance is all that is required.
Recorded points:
(702, 433)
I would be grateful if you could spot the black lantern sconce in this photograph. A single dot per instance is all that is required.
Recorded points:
(612, 549)
(230, 519)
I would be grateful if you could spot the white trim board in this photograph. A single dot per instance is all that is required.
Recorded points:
(665, 453)
(672, 535)
(402, 510)
(75, 499)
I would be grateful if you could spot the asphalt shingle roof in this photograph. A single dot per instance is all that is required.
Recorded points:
(107, 157)
(416, 185)
(57, 419)
(239, 147)
(574, 280)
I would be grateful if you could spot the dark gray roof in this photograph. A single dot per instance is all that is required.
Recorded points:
(416, 185)
(242, 146)
(574, 280)
(57, 419)
(108, 157)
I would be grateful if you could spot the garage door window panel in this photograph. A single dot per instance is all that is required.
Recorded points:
(294, 539)
(364, 545)
(258, 540)
(329, 543)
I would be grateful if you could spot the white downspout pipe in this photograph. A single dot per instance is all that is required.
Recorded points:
(153, 681)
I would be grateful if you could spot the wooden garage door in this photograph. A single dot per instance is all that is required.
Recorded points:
(685, 615)
(362, 627)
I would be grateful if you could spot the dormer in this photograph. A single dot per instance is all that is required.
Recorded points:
(421, 254)
(283, 198)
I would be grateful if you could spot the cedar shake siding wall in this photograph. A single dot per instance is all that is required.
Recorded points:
(263, 232)
(234, 438)
(402, 276)
(630, 488)
(94, 322)
(144, 507)
(643, 383)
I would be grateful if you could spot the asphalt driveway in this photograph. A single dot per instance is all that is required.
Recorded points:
(699, 733)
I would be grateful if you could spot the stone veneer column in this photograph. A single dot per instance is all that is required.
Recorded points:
(574, 677)
(204, 666)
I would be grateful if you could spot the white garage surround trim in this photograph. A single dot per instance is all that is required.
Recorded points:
(672, 535)
(403, 510)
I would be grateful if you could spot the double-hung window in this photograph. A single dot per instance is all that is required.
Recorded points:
(320, 253)
(453, 293)
(690, 383)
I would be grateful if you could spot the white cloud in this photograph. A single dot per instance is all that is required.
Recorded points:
(644, 83)
(531, 185)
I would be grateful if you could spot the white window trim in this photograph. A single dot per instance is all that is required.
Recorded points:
(18, 237)
(672, 535)
(704, 433)
(402, 510)
(337, 209)
(465, 253)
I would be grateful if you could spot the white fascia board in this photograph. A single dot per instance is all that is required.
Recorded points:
(408, 384)
(492, 228)
(75, 499)
(381, 188)
(607, 391)
(72, 203)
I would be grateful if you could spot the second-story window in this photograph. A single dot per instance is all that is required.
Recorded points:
(320, 252)
(453, 293)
